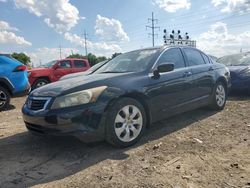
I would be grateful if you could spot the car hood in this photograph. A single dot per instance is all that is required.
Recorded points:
(73, 75)
(38, 69)
(76, 84)
(238, 69)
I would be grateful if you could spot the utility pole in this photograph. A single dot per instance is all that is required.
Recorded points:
(60, 51)
(153, 27)
(85, 42)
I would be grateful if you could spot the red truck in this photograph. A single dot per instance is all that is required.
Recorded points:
(54, 70)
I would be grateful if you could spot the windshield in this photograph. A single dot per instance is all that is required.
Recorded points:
(235, 60)
(49, 64)
(97, 66)
(136, 61)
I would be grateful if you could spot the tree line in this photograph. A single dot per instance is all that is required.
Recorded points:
(93, 59)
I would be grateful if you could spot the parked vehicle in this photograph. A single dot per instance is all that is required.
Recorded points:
(13, 80)
(213, 58)
(54, 70)
(127, 94)
(239, 66)
(89, 71)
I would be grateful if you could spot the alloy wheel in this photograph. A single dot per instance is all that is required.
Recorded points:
(220, 95)
(3, 98)
(128, 123)
(40, 84)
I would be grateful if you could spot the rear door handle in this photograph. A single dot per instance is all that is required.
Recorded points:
(187, 74)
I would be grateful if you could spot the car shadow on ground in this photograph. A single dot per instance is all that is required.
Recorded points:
(27, 160)
(10, 107)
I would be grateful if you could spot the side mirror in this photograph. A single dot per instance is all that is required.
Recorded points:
(165, 67)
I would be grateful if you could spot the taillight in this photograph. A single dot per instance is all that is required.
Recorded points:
(20, 68)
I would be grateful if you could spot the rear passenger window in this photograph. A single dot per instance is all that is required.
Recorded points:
(194, 57)
(64, 64)
(172, 56)
(205, 58)
(79, 64)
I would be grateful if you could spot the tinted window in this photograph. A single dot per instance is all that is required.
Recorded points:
(79, 64)
(173, 56)
(205, 58)
(194, 57)
(64, 64)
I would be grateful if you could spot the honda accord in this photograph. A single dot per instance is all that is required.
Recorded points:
(122, 98)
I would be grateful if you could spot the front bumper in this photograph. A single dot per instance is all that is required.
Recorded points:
(22, 93)
(85, 122)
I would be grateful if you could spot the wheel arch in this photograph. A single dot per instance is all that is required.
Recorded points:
(141, 98)
(224, 81)
(43, 77)
(4, 82)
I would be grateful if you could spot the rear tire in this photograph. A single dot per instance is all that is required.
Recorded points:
(126, 122)
(219, 96)
(39, 83)
(4, 98)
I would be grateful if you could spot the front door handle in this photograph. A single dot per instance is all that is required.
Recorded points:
(187, 74)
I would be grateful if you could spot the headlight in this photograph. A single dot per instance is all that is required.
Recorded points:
(78, 98)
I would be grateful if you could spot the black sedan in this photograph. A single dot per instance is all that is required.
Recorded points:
(239, 66)
(126, 95)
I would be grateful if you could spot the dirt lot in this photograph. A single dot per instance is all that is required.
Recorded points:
(201, 148)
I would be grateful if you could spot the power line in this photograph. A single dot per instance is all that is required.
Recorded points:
(60, 51)
(153, 27)
(85, 42)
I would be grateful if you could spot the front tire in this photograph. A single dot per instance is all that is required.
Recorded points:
(4, 98)
(39, 83)
(219, 96)
(126, 122)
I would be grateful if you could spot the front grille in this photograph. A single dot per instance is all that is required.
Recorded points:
(37, 103)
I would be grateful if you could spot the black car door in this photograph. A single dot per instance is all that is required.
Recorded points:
(170, 91)
(203, 74)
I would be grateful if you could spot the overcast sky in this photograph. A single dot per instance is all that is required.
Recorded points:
(39, 27)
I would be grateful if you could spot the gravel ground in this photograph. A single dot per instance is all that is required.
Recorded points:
(201, 148)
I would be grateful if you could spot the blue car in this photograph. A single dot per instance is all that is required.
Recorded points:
(13, 80)
(239, 66)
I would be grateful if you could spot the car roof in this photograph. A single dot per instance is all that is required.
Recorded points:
(8, 59)
(164, 47)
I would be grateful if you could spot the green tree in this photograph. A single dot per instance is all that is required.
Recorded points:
(92, 59)
(78, 56)
(22, 57)
(115, 54)
(101, 58)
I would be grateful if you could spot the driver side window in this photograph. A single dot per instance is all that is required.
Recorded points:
(64, 64)
(172, 56)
